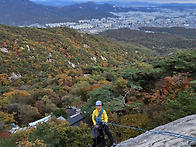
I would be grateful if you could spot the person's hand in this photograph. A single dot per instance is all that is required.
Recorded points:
(96, 126)
(104, 123)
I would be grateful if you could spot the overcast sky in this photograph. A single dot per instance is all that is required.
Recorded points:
(154, 1)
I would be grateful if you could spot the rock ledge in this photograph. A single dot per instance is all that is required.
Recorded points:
(185, 126)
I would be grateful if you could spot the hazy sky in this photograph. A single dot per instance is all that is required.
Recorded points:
(154, 1)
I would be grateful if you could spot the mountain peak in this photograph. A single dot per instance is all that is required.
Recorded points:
(25, 12)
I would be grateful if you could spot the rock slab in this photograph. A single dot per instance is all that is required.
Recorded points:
(185, 126)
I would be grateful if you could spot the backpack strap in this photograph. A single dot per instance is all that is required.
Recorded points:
(98, 118)
(100, 113)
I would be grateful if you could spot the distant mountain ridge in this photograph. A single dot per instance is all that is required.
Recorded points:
(99, 7)
(62, 3)
(25, 12)
(108, 7)
(179, 6)
(56, 3)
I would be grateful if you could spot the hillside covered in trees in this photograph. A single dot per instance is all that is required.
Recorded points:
(161, 40)
(59, 49)
(44, 71)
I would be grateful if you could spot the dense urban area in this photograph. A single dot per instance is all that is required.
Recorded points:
(133, 19)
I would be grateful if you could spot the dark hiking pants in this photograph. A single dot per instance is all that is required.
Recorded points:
(100, 138)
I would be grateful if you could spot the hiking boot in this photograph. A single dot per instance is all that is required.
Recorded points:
(114, 144)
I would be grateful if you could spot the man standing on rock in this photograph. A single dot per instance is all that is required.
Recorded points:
(100, 120)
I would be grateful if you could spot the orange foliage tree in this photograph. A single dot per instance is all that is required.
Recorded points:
(174, 84)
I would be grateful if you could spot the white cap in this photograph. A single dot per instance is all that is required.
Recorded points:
(98, 103)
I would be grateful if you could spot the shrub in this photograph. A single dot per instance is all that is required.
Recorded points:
(6, 120)
(61, 134)
(80, 89)
(183, 105)
(13, 139)
(120, 87)
(60, 112)
(134, 120)
(23, 113)
(4, 89)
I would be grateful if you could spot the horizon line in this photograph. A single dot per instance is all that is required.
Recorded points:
(80, 1)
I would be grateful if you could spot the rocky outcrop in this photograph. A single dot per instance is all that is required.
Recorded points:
(15, 76)
(185, 126)
(4, 50)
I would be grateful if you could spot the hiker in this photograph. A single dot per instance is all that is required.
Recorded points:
(100, 120)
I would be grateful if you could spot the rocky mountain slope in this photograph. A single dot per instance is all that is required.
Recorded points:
(185, 126)
(58, 49)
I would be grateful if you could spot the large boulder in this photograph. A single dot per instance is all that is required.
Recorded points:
(185, 126)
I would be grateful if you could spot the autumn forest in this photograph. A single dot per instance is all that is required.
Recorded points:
(144, 80)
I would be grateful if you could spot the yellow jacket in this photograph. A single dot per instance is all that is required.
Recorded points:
(104, 116)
